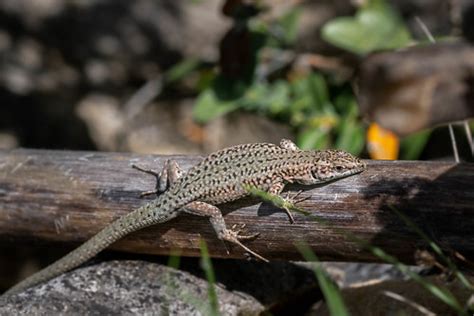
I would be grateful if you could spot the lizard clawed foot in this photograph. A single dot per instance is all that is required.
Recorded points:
(291, 201)
(153, 173)
(294, 200)
(235, 237)
(149, 171)
(238, 233)
(170, 173)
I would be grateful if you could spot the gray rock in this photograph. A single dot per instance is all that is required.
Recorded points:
(126, 288)
(398, 297)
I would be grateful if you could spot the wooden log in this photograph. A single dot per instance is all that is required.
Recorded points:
(51, 197)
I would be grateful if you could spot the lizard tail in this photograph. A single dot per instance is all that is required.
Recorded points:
(137, 219)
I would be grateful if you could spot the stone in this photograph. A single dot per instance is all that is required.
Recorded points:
(126, 288)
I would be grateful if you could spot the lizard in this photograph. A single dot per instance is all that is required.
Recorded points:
(221, 177)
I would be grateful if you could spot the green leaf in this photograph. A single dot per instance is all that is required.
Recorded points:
(373, 28)
(288, 26)
(271, 99)
(351, 137)
(318, 90)
(182, 69)
(301, 97)
(313, 139)
(346, 105)
(254, 98)
(412, 146)
(209, 106)
(351, 133)
(310, 97)
(279, 97)
(220, 98)
(205, 79)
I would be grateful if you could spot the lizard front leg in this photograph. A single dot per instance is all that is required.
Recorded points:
(276, 188)
(218, 223)
(169, 174)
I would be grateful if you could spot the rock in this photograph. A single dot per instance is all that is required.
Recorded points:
(398, 297)
(356, 274)
(126, 288)
(277, 285)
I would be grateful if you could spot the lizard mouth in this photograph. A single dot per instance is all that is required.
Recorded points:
(358, 170)
(348, 173)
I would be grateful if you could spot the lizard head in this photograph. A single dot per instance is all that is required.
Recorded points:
(328, 165)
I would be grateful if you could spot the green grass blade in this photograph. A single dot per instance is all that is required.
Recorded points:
(440, 292)
(206, 265)
(330, 291)
(435, 248)
(174, 259)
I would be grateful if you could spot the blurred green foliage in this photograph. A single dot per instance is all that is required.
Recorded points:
(374, 27)
(411, 146)
(319, 117)
(321, 110)
(331, 292)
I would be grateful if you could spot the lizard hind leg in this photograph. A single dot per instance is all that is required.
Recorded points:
(218, 223)
(169, 174)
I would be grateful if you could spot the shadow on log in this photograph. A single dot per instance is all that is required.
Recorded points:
(51, 197)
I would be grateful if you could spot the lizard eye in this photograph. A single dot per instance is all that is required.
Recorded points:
(339, 168)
